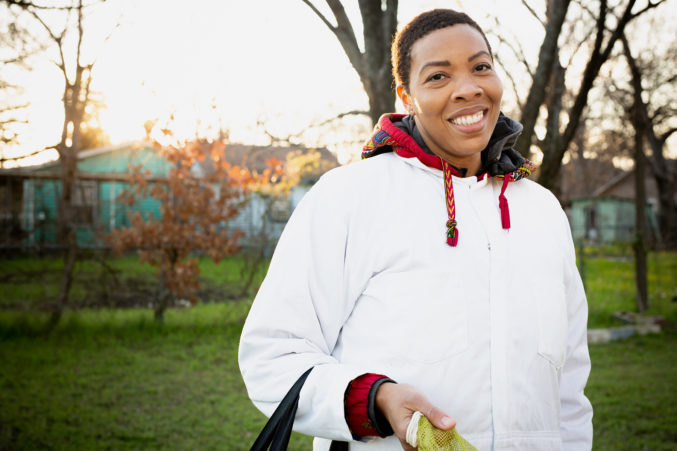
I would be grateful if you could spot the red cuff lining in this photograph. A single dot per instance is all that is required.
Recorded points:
(356, 403)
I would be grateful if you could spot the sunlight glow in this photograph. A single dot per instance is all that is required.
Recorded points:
(231, 65)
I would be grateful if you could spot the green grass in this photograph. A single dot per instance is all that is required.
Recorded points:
(633, 392)
(610, 287)
(116, 379)
(31, 284)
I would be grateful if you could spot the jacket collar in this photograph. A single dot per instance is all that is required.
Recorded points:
(398, 133)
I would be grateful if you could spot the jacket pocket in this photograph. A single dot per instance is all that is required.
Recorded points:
(424, 317)
(552, 323)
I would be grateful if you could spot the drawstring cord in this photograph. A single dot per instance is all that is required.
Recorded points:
(503, 202)
(452, 230)
(452, 225)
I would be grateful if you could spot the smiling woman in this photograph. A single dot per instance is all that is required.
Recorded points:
(456, 99)
(371, 282)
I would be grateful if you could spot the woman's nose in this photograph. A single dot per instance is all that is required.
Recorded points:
(466, 88)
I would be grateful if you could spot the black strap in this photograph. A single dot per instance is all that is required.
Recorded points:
(277, 431)
(338, 446)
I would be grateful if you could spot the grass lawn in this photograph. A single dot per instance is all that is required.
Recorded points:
(30, 284)
(610, 286)
(115, 379)
(633, 393)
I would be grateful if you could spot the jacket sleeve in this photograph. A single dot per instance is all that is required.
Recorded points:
(576, 410)
(297, 315)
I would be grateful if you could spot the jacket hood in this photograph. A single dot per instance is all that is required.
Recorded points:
(398, 133)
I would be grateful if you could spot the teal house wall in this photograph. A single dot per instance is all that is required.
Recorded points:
(95, 199)
(608, 220)
(96, 209)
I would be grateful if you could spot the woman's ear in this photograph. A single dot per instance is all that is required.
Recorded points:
(405, 98)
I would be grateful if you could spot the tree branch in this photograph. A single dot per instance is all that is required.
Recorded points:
(80, 34)
(579, 44)
(664, 137)
(519, 54)
(57, 39)
(32, 154)
(343, 32)
(13, 108)
(533, 13)
(293, 138)
(649, 6)
(27, 4)
(546, 57)
(508, 74)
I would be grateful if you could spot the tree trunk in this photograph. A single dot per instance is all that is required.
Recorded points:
(667, 185)
(163, 299)
(640, 124)
(639, 244)
(549, 170)
(66, 283)
(379, 27)
(547, 55)
(667, 217)
(554, 104)
(379, 23)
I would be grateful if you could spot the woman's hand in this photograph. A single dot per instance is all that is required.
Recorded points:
(398, 402)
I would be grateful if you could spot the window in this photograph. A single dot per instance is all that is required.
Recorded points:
(279, 209)
(591, 222)
(83, 201)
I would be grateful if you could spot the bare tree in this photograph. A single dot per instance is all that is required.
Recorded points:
(548, 58)
(552, 161)
(648, 75)
(379, 20)
(76, 96)
(640, 124)
(548, 89)
(651, 72)
(18, 46)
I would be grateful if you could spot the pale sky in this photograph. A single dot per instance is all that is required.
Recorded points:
(228, 64)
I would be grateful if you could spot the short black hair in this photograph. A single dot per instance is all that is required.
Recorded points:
(418, 27)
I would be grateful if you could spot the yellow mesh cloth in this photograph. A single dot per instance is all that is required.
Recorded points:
(432, 439)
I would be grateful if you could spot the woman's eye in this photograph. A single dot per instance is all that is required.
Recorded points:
(483, 67)
(436, 77)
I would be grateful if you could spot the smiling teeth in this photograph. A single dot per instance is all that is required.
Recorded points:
(468, 120)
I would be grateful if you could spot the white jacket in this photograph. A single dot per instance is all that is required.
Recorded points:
(492, 331)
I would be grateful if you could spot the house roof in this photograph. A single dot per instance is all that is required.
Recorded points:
(250, 156)
(623, 185)
(615, 180)
(81, 155)
(255, 157)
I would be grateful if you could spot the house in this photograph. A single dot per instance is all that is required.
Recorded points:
(608, 214)
(29, 196)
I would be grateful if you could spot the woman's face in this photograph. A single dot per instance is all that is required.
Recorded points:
(454, 93)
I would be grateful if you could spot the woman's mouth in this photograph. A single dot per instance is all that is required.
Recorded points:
(469, 119)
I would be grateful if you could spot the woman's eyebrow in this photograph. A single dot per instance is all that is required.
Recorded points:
(447, 63)
(434, 63)
(481, 52)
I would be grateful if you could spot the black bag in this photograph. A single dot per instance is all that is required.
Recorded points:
(277, 431)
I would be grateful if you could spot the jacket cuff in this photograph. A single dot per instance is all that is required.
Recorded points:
(362, 417)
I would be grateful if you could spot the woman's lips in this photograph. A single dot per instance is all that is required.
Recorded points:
(469, 123)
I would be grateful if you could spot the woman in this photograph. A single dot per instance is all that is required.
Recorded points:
(433, 263)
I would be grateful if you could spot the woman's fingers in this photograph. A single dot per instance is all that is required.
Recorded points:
(438, 418)
(398, 402)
